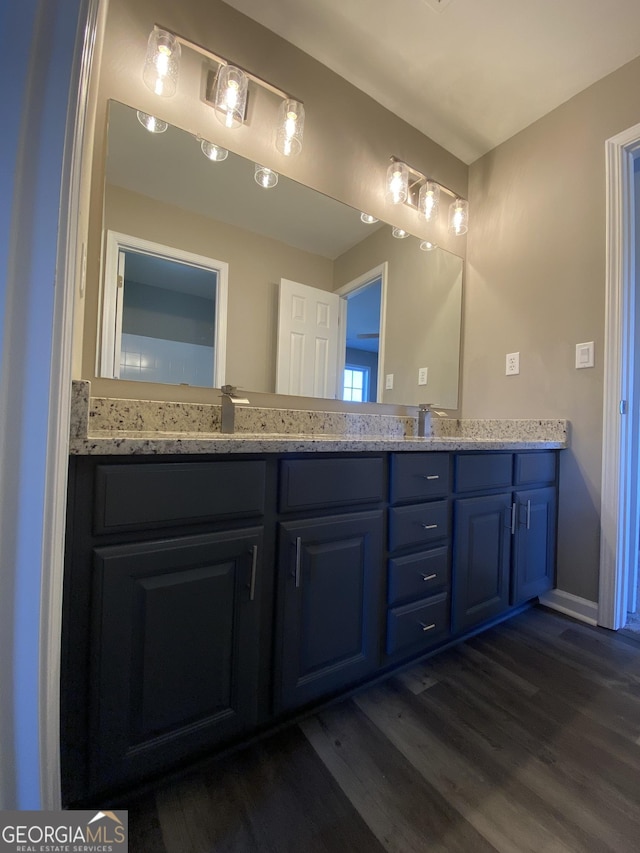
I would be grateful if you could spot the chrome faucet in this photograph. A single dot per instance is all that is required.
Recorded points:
(230, 400)
(425, 417)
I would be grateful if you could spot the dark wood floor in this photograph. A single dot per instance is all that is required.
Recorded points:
(525, 738)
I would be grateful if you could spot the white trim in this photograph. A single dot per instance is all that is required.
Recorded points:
(619, 502)
(112, 300)
(571, 605)
(359, 283)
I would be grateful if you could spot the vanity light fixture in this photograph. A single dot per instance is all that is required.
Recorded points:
(290, 127)
(428, 246)
(397, 182)
(459, 216)
(406, 185)
(265, 177)
(162, 63)
(368, 219)
(400, 233)
(226, 87)
(151, 123)
(213, 152)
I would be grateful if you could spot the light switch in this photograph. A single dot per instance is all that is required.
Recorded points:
(585, 355)
(389, 382)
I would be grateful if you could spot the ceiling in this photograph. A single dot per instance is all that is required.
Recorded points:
(467, 73)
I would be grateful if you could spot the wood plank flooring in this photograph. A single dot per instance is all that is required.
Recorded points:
(524, 738)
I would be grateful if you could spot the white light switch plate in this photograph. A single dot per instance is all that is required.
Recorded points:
(389, 382)
(422, 375)
(585, 355)
(513, 363)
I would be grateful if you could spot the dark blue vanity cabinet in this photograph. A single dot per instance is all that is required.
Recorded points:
(504, 536)
(207, 598)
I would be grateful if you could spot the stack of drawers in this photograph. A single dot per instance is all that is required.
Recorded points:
(418, 586)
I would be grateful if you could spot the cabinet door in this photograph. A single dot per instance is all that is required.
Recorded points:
(481, 561)
(535, 543)
(174, 656)
(331, 573)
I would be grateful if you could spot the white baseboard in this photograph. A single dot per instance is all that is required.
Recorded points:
(571, 605)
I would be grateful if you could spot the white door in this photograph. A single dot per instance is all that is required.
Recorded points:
(308, 336)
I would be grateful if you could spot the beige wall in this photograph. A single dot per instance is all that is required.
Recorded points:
(348, 136)
(536, 285)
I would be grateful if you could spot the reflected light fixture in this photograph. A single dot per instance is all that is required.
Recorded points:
(429, 201)
(230, 95)
(428, 246)
(397, 182)
(151, 123)
(400, 233)
(213, 152)
(162, 63)
(459, 216)
(368, 219)
(290, 127)
(265, 177)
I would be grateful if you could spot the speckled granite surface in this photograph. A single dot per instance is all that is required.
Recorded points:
(109, 426)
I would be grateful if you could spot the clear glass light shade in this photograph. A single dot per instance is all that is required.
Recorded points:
(265, 177)
(397, 183)
(428, 246)
(162, 63)
(290, 128)
(213, 152)
(429, 201)
(367, 218)
(230, 95)
(151, 123)
(400, 233)
(459, 216)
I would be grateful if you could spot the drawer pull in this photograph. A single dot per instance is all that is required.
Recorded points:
(429, 526)
(427, 627)
(298, 560)
(513, 518)
(528, 515)
(429, 577)
(429, 476)
(254, 569)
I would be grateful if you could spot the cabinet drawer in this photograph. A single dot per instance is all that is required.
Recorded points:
(132, 496)
(419, 476)
(418, 575)
(418, 623)
(312, 483)
(475, 471)
(539, 467)
(418, 524)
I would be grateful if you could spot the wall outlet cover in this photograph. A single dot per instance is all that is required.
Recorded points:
(422, 375)
(388, 382)
(513, 363)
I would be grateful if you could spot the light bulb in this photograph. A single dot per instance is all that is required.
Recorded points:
(367, 218)
(265, 177)
(162, 63)
(400, 233)
(429, 201)
(459, 216)
(151, 123)
(290, 127)
(397, 183)
(428, 246)
(230, 95)
(213, 152)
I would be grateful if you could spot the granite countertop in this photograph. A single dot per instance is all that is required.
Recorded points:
(105, 426)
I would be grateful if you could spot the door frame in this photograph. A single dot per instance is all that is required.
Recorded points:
(619, 525)
(352, 287)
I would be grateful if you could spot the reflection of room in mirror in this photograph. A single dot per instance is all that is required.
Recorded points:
(363, 341)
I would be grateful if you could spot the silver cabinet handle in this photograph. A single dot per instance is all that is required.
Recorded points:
(254, 570)
(528, 515)
(298, 559)
(513, 518)
(429, 526)
(429, 476)
(429, 577)
(427, 627)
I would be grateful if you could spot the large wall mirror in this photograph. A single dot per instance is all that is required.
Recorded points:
(273, 290)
